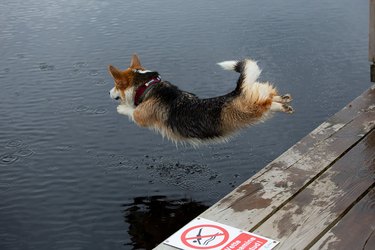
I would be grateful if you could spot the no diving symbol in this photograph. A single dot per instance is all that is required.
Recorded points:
(204, 236)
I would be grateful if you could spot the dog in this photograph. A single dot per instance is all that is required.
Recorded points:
(182, 116)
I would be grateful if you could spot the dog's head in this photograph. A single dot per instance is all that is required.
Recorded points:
(128, 80)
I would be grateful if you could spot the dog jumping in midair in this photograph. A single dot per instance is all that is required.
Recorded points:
(182, 116)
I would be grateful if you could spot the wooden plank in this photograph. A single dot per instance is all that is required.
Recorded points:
(359, 105)
(356, 230)
(263, 194)
(322, 203)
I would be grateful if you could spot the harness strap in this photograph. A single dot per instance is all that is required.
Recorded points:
(142, 90)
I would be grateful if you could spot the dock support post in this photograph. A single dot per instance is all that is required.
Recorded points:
(372, 39)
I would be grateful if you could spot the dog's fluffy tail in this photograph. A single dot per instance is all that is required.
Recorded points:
(249, 73)
(248, 69)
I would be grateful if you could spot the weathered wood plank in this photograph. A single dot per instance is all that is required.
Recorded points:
(325, 200)
(263, 194)
(361, 104)
(356, 230)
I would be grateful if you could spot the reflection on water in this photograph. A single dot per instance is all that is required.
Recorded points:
(153, 219)
(68, 161)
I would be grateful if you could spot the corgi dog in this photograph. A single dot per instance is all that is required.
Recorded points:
(182, 116)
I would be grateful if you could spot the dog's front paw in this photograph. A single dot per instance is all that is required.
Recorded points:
(122, 109)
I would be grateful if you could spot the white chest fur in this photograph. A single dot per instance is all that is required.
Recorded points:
(127, 106)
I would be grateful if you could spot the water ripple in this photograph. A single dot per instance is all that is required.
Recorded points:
(7, 159)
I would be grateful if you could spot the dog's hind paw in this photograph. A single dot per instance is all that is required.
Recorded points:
(282, 99)
(287, 109)
(286, 98)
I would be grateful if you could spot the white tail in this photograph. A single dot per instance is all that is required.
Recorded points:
(228, 65)
(251, 71)
(247, 68)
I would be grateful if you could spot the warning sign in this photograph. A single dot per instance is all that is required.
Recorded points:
(246, 241)
(205, 234)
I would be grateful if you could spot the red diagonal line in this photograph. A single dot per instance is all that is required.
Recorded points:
(204, 236)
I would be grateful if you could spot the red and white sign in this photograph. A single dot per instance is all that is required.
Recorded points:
(204, 236)
(201, 233)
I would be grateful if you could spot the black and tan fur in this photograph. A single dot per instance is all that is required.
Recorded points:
(183, 117)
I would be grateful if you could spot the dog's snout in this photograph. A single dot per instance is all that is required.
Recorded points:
(113, 93)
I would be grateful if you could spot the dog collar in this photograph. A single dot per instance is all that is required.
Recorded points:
(142, 90)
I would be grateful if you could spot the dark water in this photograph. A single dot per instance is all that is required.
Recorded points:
(76, 175)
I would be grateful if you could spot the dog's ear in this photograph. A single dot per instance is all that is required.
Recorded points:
(114, 72)
(135, 63)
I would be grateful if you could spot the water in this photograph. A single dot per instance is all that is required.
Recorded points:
(76, 175)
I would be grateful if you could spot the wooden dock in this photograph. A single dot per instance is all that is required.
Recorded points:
(319, 194)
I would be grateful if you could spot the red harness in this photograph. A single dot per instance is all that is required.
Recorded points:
(142, 90)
